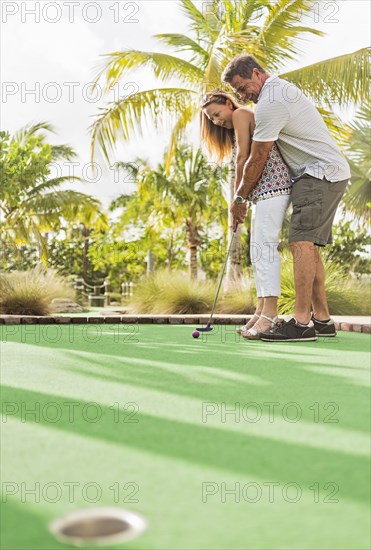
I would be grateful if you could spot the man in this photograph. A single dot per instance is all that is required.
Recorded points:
(319, 173)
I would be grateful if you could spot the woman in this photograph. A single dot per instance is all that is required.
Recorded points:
(227, 127)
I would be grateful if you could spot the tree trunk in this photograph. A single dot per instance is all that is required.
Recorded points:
(170, 251)
(234, 264)
(150, 262)
(85, 259)
(193, 262)
(193, 244)
(43, 251)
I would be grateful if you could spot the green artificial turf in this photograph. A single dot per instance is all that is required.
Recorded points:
(293, 454)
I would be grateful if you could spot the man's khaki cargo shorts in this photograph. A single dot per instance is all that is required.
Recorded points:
(314, 203)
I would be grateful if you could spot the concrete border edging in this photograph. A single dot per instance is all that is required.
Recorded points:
(154, 319)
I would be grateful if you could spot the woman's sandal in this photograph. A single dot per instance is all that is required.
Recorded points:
(253, 334)
(244, 328)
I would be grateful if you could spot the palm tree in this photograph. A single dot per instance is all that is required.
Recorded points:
(142, 208)
(224, 29)
(190, 196)
(32, 203)
(196, 190)
(357, 199)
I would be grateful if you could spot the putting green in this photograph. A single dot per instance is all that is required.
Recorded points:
(219, 442)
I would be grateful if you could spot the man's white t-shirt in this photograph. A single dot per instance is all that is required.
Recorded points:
(283, 114)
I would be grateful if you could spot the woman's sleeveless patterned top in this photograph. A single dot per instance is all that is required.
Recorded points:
(275, 179)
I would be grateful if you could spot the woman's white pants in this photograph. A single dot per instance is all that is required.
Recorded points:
(266, 223)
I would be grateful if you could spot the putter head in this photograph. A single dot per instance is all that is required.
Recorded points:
(205, 329)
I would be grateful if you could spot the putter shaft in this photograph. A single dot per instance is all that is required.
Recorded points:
(208, 327)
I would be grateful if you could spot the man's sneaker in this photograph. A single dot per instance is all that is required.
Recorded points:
(324, 328)
(290, 331)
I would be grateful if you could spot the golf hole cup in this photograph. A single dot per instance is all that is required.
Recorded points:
(98, 527)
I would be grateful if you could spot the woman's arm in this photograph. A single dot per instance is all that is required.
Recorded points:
(243, 124)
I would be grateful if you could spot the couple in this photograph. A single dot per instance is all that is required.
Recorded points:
(283, 152)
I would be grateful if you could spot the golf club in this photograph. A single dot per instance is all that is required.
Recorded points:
(209, 326)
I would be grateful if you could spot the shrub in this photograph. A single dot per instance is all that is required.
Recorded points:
(172, 292)
(240, 301)
(345, 296)
(31, 292)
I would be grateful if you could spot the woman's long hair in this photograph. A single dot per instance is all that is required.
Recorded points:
(217, 139)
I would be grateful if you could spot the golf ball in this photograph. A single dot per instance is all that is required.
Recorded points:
(195, 334)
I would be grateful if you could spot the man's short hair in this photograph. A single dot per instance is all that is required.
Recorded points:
(242, 65)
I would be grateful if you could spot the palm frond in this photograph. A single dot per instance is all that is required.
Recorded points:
(120, 202)
(131, 168)
(343, 79)
(363, 115)
(64, 202)
(282, 14)
(213, 70)
(65, 152)
(31, 129)
(121, 117)
(201, 23)
(339, 131)
(183, 43)
(188, 114)
(357, 198)
(52, 184)
(279, 36)
(245, 41)
(247, 13)
(164, 66)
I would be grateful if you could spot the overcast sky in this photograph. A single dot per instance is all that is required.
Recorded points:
(54, 48)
